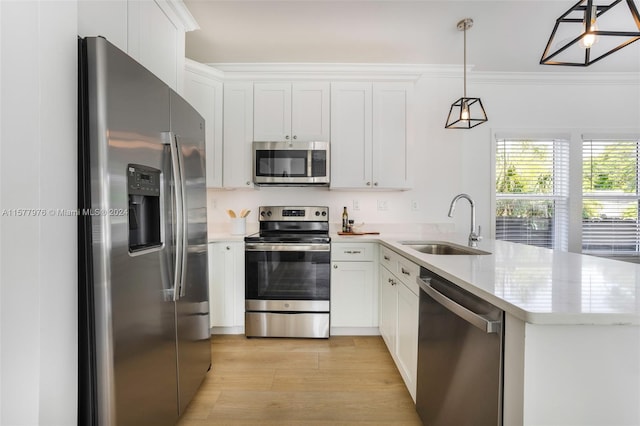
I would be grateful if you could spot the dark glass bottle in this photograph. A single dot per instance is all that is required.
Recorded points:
(345, 220)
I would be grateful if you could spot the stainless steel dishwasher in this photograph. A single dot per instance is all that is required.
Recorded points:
(460, 351)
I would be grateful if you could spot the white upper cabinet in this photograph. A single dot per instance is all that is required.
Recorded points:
(291, 112)
(203, 90)
(369, 137)
(106, 18)
(156, 42)
(152, 32)
(237, 135)
(351, 138)
(390, 143)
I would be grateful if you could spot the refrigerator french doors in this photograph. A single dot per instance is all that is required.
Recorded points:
(143, 295)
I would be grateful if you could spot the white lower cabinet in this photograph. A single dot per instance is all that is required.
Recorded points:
(354, 290)
(399, 302)
(226, 287)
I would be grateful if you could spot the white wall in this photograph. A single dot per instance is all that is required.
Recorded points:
(38, 254)
(447, 162)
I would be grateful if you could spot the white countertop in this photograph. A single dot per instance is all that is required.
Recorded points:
(537, 285)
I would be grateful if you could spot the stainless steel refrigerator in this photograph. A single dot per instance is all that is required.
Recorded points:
(144, 340)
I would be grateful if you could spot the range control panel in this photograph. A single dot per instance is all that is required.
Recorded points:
(280, 213)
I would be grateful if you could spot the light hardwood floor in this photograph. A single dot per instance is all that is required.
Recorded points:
(340, 381)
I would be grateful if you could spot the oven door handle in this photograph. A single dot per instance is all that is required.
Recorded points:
(287, 247)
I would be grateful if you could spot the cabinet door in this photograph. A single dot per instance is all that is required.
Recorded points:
(205, 95)
(107, 18)
(221, 285)
(407, 337)
(390, 141)
(154, 41)
(226, 284)
(351, 135)
(352, 294)
(237, 135)
(272, 112)
(310, 112)
(388, 308)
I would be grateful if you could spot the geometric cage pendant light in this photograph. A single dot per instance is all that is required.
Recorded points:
(589, 32)
(465, 113)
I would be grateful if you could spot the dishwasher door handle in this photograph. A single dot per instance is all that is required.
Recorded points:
(484, 324)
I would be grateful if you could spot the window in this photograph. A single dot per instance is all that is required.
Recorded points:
(532, 191)
(610, 198)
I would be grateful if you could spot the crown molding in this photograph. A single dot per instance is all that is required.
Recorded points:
(556, 78)
(179, 14)
(323, 71)
(203, 70)
(406, 72)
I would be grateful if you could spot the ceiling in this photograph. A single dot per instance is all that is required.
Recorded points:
(507, 35)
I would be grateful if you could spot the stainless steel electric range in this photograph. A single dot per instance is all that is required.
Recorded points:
(287, 273)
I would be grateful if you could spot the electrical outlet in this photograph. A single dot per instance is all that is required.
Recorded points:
(383, 205)
(415, 206)
(356, 205)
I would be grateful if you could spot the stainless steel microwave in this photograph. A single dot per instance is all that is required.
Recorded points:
(291, 163)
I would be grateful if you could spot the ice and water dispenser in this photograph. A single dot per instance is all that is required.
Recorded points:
(143, 186)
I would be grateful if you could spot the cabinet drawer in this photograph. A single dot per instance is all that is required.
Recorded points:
(388, 258)
(408, 272)
(363, 252)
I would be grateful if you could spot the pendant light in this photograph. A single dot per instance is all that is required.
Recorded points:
(465, 113)
(589, 32)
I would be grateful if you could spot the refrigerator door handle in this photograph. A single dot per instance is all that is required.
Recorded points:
(177, 183)
(183, 225)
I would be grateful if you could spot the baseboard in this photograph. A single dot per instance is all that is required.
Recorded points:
(355, 331)
(227, 330)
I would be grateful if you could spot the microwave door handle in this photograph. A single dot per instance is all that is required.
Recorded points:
(177, 204)
(309, 163)
(183, 225)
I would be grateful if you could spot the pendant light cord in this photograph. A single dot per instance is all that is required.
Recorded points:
(464, 70)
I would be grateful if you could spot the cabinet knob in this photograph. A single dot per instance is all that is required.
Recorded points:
(335, 266)
(228, 248)
(287, 137)
(387, 257)
(375, 183)
(295, 137)
(368, 183)
(248, 182)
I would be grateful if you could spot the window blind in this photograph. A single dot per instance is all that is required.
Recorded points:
(610, 197)
(532, 178)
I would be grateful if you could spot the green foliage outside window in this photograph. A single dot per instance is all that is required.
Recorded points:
(525, 168)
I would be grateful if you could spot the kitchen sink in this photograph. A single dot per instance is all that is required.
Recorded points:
(442, 248)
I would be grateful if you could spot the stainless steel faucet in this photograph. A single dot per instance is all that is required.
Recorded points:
(473, 236)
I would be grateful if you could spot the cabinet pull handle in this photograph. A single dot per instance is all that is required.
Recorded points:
(352, 252)
(386, 257)
(404, 271)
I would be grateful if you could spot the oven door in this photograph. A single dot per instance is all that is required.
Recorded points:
(288, 272)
